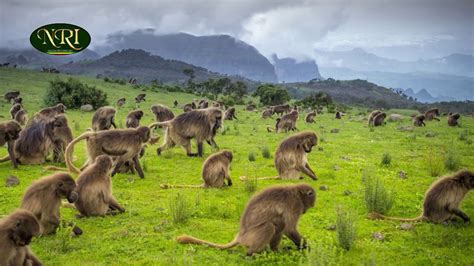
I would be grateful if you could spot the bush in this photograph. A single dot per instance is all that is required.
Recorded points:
(434, 163)
(451, 160)
(266, 153)
(271, 94)
(346, 228)
(386, 159)
(377, 197)
(250, 185)
(252, 156)
(73, 94)
(179, 208)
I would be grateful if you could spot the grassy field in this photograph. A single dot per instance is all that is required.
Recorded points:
(146, 233)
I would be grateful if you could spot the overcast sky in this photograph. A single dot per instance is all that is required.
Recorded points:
(401, 29)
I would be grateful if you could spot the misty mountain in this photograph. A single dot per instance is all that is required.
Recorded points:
(360, 60)
(218, 53)
(424, 96)
(34, 59)
(290, 70)
(140, 65)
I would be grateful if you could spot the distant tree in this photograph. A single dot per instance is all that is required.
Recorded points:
(271, 94)
(73, 94)
(317, 99)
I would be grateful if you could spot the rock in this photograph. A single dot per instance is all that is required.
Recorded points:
(406, 128)
(331, 227)
(87, 108)
(337, 168)
(430, 134)
(402, 174)
(378, 236)
(77, 231)
(324, 188)
(347, 192)
(406, 226)
(335, 130)
(12, 181)
(395, 117)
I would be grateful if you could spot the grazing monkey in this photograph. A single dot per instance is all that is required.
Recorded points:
(15, 109)
(133, 119)
(129, 166)
(94, 188)
(338, 115)
(11, 95)
(21, 117)
(442, 200)
(9, 133)
(432, 114)
(453, 119)
(121, 102)
(310, 117)
(269, 215)
(287, 122)
(251, 107)
(50, 112)
(103, 118)
(267, 113)
(189, 107)
(418, 121)
(281, 109)
(140, 98)
(17, 100)
(162, 112)
(16, 232)
(215, 171)
(122, 144)
(200, 124)
(43, 199)
(379, 119)
(230, 114)
(203, 104)
(372, 116)
(175, 103)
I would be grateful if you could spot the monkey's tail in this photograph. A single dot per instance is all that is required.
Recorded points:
(243, 178)
(378, 216)
(70, 149)
(154, 140)
(156, 124)
(54, 168)
(166, 186)
(185, 239)
(5, 159)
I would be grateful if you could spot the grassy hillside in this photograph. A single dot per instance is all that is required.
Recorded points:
(146, 233)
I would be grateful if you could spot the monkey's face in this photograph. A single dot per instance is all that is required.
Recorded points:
(139, 115)
(229, 155)
(308, 196)
(66, 188)
(25, 229)
(13, 131)
(61, 108)
(309, 142)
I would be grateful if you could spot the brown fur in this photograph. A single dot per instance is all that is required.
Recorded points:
(43, 199)
(133, 119)
(442, 200)
(124, 144)
(50, 112)
(16, 232)
(310, 117)
(418, 121)
(338, 115)
(267, 113)
(21, 117)
(215, 171)
(129, 166)
(453, 119)
(203, 104)
(281, 109)
(201, 125)
(162, 112)
(121, 102)
(379, 119)
(287, 122)
(230, 114)
(17, 100)
(11, 95)
(372, 116)
(103, 118)
(9, 133)
(15, 109)
(94, 188)
(268, 216)
(140, 98)
(251, 107)
(432, 114)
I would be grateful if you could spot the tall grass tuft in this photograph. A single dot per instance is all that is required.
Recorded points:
(252, 156)
(434, 163)
(451, 160)
(386, 159)
(346, 228)
(180, 209)
(266, 153)
(77, 126)
(377, 197)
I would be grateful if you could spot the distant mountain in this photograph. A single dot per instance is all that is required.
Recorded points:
(33, 59)
(140, 65)
(289, 70)
(219, 53)
(423, 96)
(360, 60)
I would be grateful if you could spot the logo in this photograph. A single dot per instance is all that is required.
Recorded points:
(60, 39)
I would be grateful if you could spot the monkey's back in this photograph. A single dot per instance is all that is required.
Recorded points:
(213, 171)
(92, 193)
(442, 195)
(191, 124)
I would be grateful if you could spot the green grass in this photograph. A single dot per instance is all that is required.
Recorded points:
(145, 233)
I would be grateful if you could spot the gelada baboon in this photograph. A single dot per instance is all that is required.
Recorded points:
(94, 188)
(442, 200)
(11, 95)
(215, 171)
(121, 102)
(104, 118)
(379, 119)
(162, 112)
(189, 107)
(9, 133)
(338, 115)
(122, 144)
(419, 121)
(15, 109)
(372, 116)
(281, 109)
(203, 104)
(50, 112)
(16, 232)
(21, 117)
(200, 124)
(453, 119)
(129, 166)
(133, 119)
(17, 100)
(43, 199)
(310, 117)
(175, 103)
(267, 113)
(432, 114)
(251, 107)
(269, 216)
(140, 98)
(287, 122)
(230, 114)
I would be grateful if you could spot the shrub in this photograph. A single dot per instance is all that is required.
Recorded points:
(386, 159)
(271, 94)
(73, 94)
(377, 197)
(451, 160)
(266, 153)
(464, 135)
(346, 228)
(434, 163)
(250, 185)
(179, 208)
(252, 156)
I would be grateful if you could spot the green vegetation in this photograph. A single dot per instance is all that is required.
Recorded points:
(377, 197)
(271, 94)
(146, 232)
(346, 228)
